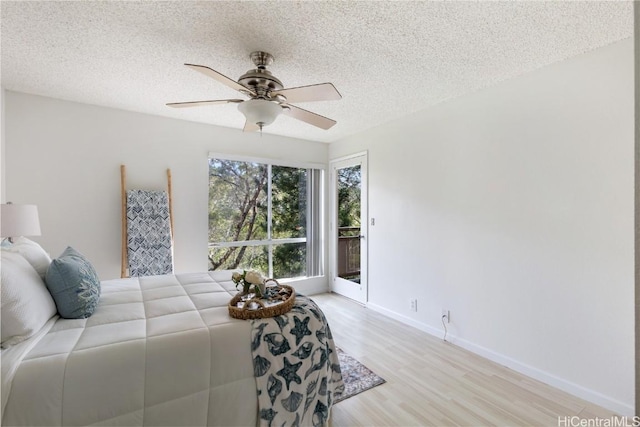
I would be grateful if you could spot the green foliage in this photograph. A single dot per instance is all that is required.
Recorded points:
(289, 202)
(237, 208)
(238, 211)
(349, 180)
(290, 260)
(289, 212)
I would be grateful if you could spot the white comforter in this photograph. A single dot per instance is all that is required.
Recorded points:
(158, 350)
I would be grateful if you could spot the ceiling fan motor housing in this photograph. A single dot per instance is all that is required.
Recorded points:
(260, 80)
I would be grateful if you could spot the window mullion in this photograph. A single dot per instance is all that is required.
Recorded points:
(310, 221)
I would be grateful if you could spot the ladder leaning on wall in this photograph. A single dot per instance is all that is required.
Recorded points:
(147, 230)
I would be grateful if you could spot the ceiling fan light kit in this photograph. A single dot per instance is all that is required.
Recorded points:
(268, 97)
(260, 111)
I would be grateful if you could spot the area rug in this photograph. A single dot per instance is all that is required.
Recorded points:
(357, 377)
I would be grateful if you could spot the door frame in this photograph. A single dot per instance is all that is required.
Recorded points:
(357, 293)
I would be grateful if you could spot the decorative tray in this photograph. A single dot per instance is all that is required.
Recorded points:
(278, 300)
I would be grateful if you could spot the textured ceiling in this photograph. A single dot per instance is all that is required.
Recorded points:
(387, 59)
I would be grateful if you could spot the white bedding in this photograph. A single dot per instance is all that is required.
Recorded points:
(159, 350)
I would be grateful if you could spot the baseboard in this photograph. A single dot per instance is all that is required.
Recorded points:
(530, 371)
(406, 320)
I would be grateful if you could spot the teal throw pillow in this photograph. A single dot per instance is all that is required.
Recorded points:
(73, 284)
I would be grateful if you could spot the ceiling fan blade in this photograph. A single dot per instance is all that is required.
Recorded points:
(250, 127)
(319, 92)
(307, 116)
(202, 103)
(221, 78)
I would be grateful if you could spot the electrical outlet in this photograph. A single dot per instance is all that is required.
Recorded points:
(414, 305)
(446, 316)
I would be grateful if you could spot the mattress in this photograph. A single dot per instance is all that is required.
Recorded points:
(158, 350)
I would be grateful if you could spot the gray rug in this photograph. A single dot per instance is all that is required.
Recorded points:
(357, 377)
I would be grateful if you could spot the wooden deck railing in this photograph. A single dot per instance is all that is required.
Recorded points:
(348, 252)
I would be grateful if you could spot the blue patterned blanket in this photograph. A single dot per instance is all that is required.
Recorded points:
(296, 366)
(149, 242)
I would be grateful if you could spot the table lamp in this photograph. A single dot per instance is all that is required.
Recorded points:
(19, 220)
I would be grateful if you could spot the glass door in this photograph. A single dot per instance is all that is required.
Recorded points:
(349, 227)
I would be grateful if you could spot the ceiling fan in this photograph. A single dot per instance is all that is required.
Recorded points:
(268, 97)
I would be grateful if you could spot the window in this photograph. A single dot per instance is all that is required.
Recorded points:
(266, 217)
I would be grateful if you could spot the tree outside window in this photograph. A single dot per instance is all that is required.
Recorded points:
(260, 218)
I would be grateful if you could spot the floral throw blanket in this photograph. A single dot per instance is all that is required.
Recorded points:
(296, 367)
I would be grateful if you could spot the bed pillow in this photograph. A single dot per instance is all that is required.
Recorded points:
(26, 303)
(32, 252)
(74, 285)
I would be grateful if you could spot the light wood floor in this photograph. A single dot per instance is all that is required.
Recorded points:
(433, 383)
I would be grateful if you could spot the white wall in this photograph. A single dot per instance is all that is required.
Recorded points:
(65, 157)
(513, 208)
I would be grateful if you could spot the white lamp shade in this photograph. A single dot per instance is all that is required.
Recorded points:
(260, 111)
(19, 220)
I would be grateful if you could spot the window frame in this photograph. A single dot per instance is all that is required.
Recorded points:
(315, 213)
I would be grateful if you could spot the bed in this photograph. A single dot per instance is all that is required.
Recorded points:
(162, 350)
